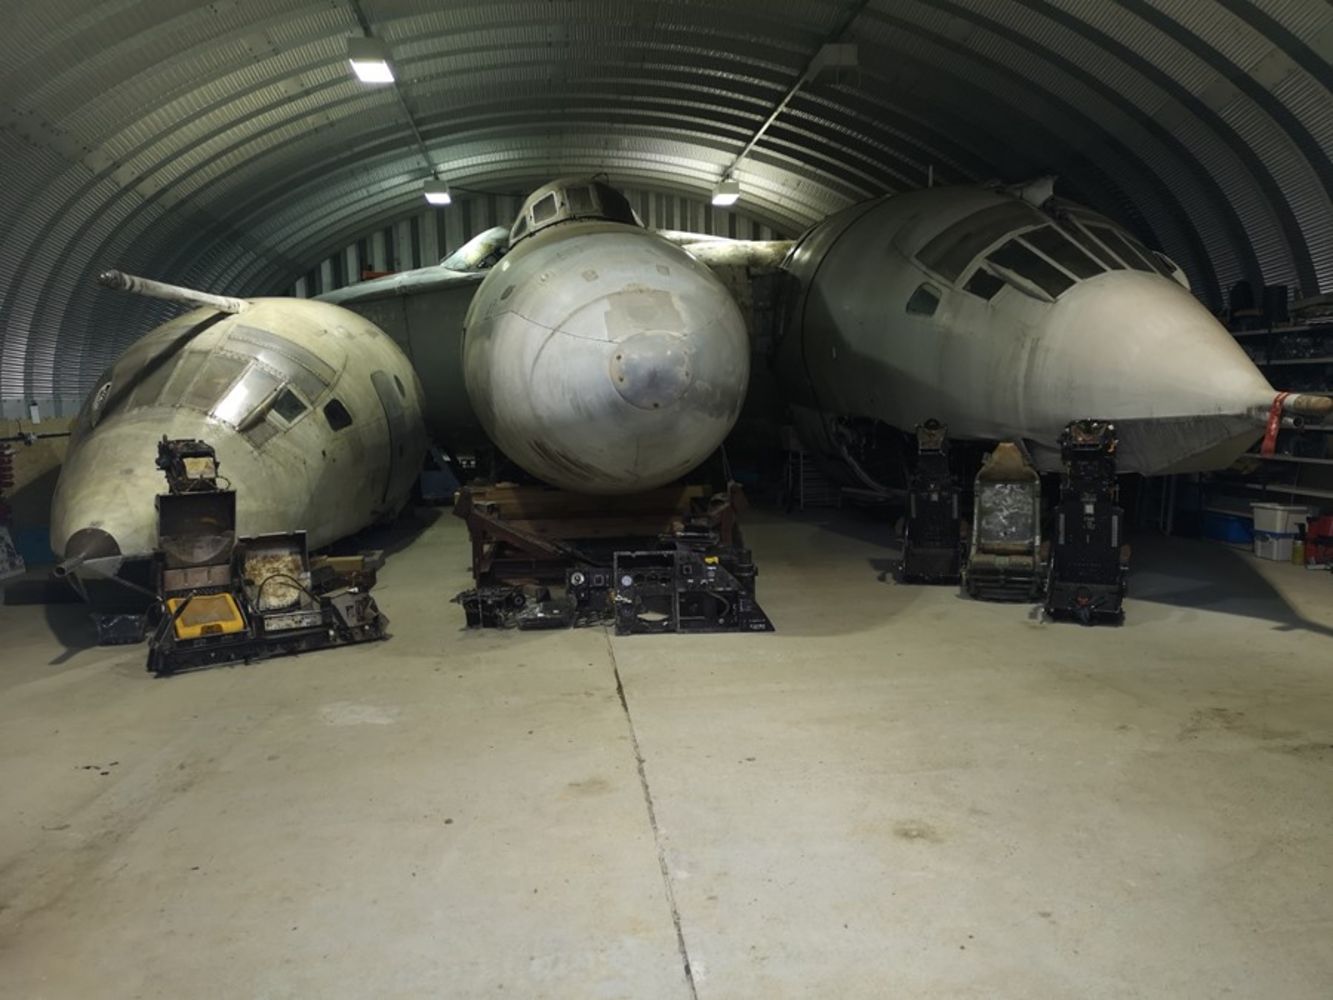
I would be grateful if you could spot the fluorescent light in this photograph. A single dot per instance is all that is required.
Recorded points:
(370, 60)
(727, 192)
(436, 192)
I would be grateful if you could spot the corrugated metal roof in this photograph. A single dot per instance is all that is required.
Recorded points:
(225, 145)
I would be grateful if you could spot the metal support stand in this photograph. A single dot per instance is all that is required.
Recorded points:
(669, 560)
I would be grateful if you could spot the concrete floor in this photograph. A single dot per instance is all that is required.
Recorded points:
(900, 794)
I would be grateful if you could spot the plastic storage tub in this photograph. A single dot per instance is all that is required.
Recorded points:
(1234, 529)
(1275, 527)
(1279, 518)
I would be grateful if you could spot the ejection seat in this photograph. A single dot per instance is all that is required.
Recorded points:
(1004, 558)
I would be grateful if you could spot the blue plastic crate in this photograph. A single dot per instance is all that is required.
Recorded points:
(1234, 529)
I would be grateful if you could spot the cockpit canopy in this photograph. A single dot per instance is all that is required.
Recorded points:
(255, 380)
(1048, 249)
(568, 199)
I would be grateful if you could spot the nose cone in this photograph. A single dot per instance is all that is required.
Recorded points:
(606, 363)
(1140, 350)
(107, 491)
(652, 370)
(1148, 349)
(104, 499)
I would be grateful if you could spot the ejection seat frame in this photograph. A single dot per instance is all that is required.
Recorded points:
(932, 542)
(1089, 564)
(1004, 559)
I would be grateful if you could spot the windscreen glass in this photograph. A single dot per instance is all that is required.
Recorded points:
(214, 379)
(288, 406)
(544, 209)
(1026, 264)
(580, 200)
(1055, 246)
(1081, 237)
(984, 284)
(949, 253)
(614, 205)
(306, 369)
(246, 397)
(1120, 248)
(152, 380)
(1149, 256)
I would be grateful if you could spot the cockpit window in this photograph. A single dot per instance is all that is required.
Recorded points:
(306, 369)
(924, 301)
(260, 425)
(949, 253)
(242, 403)
(1057, 247)
(983, 284)
(1026, 264)
(337, 415)
(614, 205)
(1119, 247)
(215, 377)
(580, 200)
(1152, 258)
(544, 209)
(1173, 270)
(288, 406)
(151, 383)
(569, 199)
(1080, 236)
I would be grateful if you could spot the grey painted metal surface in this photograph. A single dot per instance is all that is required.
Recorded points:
(226, 145)
(599, 356)
(426, 322)
(1006, 322)
(315, 415)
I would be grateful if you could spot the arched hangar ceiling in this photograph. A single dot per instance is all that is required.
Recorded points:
(226, 145)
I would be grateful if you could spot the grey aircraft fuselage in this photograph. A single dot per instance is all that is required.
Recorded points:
(1002, 312)
(1007, 317)
(422, 311)
(597, 355)
(314, 413)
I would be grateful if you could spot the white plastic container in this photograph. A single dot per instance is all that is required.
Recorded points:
(1279, 518)
(1276, 547)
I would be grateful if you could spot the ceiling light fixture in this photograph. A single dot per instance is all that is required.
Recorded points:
(370, 60)
(437, 192)
(727, 192)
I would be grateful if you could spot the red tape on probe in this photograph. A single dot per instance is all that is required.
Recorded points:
(1269, 445)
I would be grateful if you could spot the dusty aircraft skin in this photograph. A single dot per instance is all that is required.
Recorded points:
(315, 414)
(1006, 314)
(423, 311)
(597, 355)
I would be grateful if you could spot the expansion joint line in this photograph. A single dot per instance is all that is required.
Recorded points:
(652, 819)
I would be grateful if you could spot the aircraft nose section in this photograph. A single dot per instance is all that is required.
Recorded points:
(1140, 350)
(85, 545)
(104, 502)
(1146, 348)
(652, 370)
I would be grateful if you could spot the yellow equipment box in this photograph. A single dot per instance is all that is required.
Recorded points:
(206, 615)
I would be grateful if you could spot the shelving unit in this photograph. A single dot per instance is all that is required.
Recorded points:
(1299, 357)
